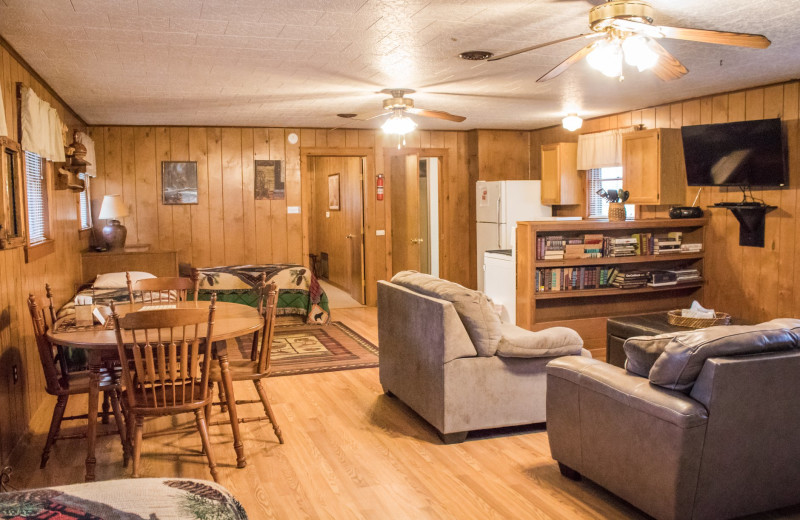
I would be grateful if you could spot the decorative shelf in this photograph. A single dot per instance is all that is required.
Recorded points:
(621, 260)
(609, 291)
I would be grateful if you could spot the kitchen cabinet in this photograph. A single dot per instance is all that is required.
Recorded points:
(653, 170)
(560, 181)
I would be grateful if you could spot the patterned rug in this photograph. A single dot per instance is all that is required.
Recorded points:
(306, 349)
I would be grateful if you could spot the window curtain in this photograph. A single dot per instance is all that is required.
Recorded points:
(41, 128)
(91, 156)
(600, 149)
(3, 127)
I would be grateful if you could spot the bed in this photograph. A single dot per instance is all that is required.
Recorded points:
(299, 292)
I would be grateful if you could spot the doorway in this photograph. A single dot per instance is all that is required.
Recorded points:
(414, 206)
(337, 221)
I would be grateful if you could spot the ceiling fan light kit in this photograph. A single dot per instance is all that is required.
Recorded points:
(572, 122)
(399, 124)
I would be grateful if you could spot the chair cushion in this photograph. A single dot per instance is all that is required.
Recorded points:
(473, 307)
(679, 365)
(642, 351)
(118, 280)
(552, 342)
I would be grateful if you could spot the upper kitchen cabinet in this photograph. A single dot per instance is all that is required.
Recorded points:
(652, 166)
(560, 181)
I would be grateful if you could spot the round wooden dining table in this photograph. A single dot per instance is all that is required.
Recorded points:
(231, 320)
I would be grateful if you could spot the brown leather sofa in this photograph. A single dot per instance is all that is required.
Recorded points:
(709, 427)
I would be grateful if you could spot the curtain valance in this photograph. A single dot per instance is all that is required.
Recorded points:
(600, 149)
(3, 127)
(42, 129)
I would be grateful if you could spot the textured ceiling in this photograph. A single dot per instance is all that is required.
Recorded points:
(298, 63)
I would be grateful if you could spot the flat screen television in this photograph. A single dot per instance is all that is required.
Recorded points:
(747, 153)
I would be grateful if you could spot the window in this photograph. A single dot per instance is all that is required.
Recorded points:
(85, 204)
(36, 189)
(608, 179)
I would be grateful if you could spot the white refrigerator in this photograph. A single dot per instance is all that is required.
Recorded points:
(499, 206)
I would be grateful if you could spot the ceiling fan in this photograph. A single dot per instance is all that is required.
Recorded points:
(398, 106)
(624, 29)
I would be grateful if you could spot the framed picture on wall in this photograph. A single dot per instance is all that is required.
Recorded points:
(333, 192)
(179, 182)
(269, 180)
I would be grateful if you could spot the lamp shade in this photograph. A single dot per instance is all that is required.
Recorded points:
(113, 208)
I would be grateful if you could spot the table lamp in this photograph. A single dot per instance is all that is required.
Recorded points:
(112, 209)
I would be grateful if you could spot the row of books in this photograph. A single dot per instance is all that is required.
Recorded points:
(558, 247)
(576, 278)
(573, 278)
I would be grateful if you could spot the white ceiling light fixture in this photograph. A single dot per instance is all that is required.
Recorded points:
(399, 124)
(607, 54)
(572, 122)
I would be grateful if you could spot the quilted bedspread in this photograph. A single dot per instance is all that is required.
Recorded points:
(133, 499)
(299, 292)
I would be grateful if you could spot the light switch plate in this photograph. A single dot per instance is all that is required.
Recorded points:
(380, 232)
(293, 210)
(327, 214)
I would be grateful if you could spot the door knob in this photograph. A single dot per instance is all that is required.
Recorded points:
(349, 236)
(414, 241)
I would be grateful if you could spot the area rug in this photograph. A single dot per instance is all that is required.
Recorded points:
(306, 349)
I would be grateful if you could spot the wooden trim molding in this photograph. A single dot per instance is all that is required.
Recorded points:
(39, 250)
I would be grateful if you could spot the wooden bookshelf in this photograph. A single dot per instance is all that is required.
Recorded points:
(535, 308)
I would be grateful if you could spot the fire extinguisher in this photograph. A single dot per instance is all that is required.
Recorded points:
(379, 185)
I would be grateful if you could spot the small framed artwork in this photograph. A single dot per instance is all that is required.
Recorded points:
(179, 182)
(269, 180)
(333, 192)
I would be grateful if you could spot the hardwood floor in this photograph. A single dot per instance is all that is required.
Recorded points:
(350, 452)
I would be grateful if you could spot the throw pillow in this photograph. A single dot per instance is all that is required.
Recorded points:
(117, 280)
(642, 351)
(473, 307)
(683, 358)
(552, 342)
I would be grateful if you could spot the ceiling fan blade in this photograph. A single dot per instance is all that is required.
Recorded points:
(438, 114)
(539, 46)
(668, 67)
(564, 65)
(756, 41)
(370, 115)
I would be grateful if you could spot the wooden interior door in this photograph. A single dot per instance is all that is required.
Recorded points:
(404, 203)
(339, 232)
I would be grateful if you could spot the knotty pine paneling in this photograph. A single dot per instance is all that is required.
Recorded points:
(61, 269)
(756, 284)
(228, 226)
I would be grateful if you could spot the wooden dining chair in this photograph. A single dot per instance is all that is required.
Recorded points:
(258, 366)
(165, 358)
(62, 384)
(164, 289)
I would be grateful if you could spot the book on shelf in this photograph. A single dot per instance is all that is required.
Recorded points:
(691, 248)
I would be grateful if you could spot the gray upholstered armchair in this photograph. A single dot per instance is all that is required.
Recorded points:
(444, 353)
(701, 425)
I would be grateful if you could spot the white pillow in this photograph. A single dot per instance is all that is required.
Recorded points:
(117, 280)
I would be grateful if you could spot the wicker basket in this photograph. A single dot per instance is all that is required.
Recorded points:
(675, 318)
(616, 211)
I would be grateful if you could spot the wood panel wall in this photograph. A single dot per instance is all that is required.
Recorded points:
(61, 269)
(756, 284)
(228, 226)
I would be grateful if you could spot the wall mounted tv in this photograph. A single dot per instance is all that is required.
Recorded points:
(748, 153)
